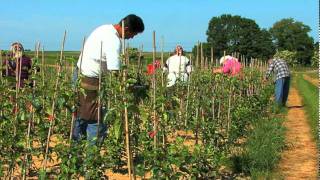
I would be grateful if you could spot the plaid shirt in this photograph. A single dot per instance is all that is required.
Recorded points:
(280, 68)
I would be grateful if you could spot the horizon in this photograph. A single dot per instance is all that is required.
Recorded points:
(178, 23)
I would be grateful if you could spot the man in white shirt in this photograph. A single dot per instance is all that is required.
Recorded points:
(105, 42)
(178, 67)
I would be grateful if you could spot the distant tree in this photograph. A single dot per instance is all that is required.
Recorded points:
(315, 57)
(206, 47)
(292, 35)
(237, 34)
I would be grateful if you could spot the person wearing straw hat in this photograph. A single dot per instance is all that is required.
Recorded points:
(282, 80)
(105, 42)
(230, 66)
(178, 67)
(17, 63)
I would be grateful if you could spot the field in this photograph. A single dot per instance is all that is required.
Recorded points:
(210, 127)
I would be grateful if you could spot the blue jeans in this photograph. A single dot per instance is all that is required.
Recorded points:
(282, 90)
(89, 129)
(86, 128)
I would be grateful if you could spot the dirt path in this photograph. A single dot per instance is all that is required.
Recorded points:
(299, 159)
(313, 81)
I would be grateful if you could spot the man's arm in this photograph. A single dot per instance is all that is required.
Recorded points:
(111, 55)
(270, 69)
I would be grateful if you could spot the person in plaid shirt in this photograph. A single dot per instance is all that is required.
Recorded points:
(282, 79)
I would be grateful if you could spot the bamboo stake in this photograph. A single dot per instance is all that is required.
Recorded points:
(129, 162)
(7, 61)
(155, 125)
(162, 86)
(28, 145)
(44, 165)
(76, 89)
(213, 105)
(43, 65)
(139, 60)
(212, 58)
(188, 94)
(162, 61)
(197, 118)
(201, 55)
(229, 110)
(99, 91)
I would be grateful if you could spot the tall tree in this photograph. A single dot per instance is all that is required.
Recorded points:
(237, 34)
(292, 35)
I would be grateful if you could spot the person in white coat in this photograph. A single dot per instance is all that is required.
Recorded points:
(178, 67)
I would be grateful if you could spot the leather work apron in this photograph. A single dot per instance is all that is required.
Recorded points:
(88, 107)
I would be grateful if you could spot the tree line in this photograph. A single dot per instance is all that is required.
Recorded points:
(287, 38)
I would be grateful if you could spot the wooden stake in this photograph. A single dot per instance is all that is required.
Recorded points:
(76, 89)
(201, 56)
(99, 91)
(155, 125)
(129, 162)
(188, 94)
(28, 145)
(44, 165)
(212, 58)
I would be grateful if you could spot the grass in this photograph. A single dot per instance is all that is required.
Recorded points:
(310, 96)
(264, 147)
(51, 57)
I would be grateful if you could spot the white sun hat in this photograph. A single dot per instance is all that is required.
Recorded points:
(224, 58)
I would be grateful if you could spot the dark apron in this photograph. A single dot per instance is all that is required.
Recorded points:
(88, 107)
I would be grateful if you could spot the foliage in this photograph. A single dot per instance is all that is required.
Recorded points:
(237, 34)
(292, 35)
(315, 57)
(288, 56)
(215, 110)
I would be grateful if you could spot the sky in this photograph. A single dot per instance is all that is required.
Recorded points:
(175, 21)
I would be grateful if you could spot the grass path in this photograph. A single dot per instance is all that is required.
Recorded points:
(299, 159)
(313, 81)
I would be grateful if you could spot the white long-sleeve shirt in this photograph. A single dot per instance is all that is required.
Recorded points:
(178, 64)
(111, 48)
(178, 67)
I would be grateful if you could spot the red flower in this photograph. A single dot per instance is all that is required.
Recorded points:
(152, 67)
(15, 110)
(152, 134)
(50, 117)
